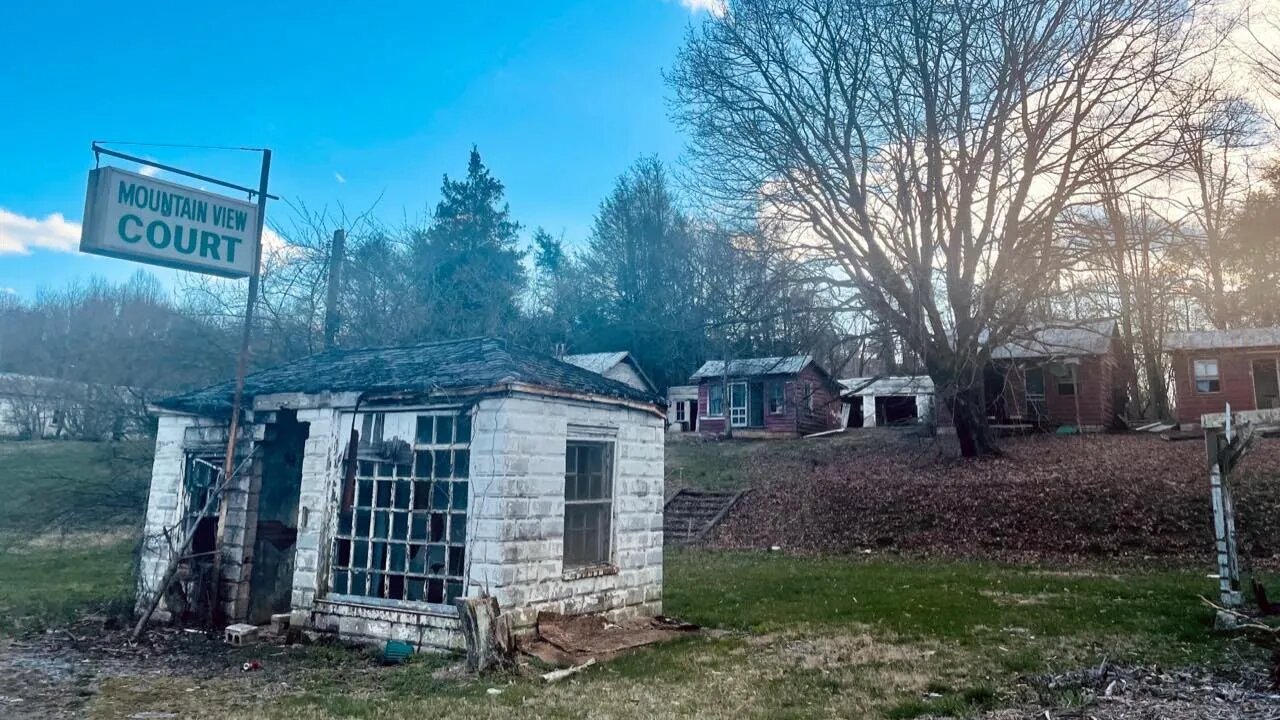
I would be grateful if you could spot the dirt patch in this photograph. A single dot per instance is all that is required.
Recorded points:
(57, 674)
(1047, 498)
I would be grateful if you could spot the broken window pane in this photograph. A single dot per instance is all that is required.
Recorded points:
(425, 429)
(398, 508)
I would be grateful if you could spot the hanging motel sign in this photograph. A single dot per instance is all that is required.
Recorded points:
(135, 217)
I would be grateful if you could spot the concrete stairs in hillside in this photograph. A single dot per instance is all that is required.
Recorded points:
(690, 515)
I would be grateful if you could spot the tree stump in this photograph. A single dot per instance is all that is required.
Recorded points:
(487, 633)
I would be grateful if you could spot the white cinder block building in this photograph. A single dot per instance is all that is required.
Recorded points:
(380, 485)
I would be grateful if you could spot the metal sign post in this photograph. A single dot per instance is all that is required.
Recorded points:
(242, 363)
(136, 217)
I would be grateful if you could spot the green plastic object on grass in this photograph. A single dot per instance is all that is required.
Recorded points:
(1067, 430)
(396, 652)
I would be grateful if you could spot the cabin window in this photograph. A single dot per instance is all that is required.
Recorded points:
(588, 503)
(680, 411)
(715, 400)
(402, 530)
(1065, 375)
(1207, 380)
(777, 397)
(808, 396)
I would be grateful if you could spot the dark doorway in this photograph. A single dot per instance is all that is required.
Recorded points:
(271, 582)
(1266, 384)
(896, 410)
(755, 405)
(692, 414)
(855, 411)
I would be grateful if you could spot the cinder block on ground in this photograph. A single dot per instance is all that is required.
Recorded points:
(241, 634)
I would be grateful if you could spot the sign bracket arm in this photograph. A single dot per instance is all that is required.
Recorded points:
(98, 149)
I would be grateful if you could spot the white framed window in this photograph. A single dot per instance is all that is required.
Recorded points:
(715, 400)
(1206, 376)
(777, 397)
(680, 411)
(738, 404)
(402, 522)
(588, 503)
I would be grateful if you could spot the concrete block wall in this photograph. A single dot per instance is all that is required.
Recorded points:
(163, 503)
(522, 483)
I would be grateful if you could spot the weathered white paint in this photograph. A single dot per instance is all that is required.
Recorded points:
(515, 524)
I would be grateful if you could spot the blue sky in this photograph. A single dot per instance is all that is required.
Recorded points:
(560, 97)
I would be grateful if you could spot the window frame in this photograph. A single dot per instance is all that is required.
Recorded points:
(1196, 379)
(808, 396)
(607, 498)
(680, 411)
(426, 541)
(1072, 379)
(781, 398)
(715, 387)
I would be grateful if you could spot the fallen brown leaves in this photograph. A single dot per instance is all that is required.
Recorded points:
(1048, 497)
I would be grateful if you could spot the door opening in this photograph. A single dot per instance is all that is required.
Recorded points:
(1266, 384)
(271, 579)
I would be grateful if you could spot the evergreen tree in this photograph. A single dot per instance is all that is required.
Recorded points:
(467, 272)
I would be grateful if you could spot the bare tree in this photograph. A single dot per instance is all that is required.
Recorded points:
(931, 146)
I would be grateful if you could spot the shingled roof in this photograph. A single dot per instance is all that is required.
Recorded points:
(1223, 339)
(753, 367)
(1086, 338)
(433, 368)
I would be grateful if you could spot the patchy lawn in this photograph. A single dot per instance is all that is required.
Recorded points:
(1061, 498)
(57, 486)
(48, 586)
(790, 637)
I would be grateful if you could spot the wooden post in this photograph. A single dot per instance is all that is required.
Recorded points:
(337, 252)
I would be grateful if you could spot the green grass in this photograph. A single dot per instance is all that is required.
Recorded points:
(791, 638)
(48, 586)
(71, 485)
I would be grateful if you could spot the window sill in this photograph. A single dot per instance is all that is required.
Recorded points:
(589, 571)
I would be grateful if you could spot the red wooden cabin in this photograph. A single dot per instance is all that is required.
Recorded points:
(1214, 367)
(767, 397)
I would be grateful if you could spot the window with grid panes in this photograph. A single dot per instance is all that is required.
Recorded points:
(402, 529)
(588, 503)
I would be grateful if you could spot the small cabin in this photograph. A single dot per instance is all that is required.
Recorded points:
(682, 408)
(376, 487)
(767, 397)
(621, 366)
(1055, 376)
(1212, 368)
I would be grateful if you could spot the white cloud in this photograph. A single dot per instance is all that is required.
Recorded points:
(148, 170)
(338, 176)
(8, 291)
(20, 235)
(717, 8)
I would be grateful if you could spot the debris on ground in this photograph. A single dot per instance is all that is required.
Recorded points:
(1047, 498)
(568, 641)
(1113, 693)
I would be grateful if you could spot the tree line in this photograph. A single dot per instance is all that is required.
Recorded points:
(897, 186)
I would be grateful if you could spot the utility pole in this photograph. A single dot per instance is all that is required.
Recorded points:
(337, 252)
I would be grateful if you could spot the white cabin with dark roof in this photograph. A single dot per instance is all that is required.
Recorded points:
(378, 486)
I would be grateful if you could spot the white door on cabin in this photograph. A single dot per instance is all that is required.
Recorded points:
(738, 404)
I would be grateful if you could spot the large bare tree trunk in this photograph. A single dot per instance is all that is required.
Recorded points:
(969, 413)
